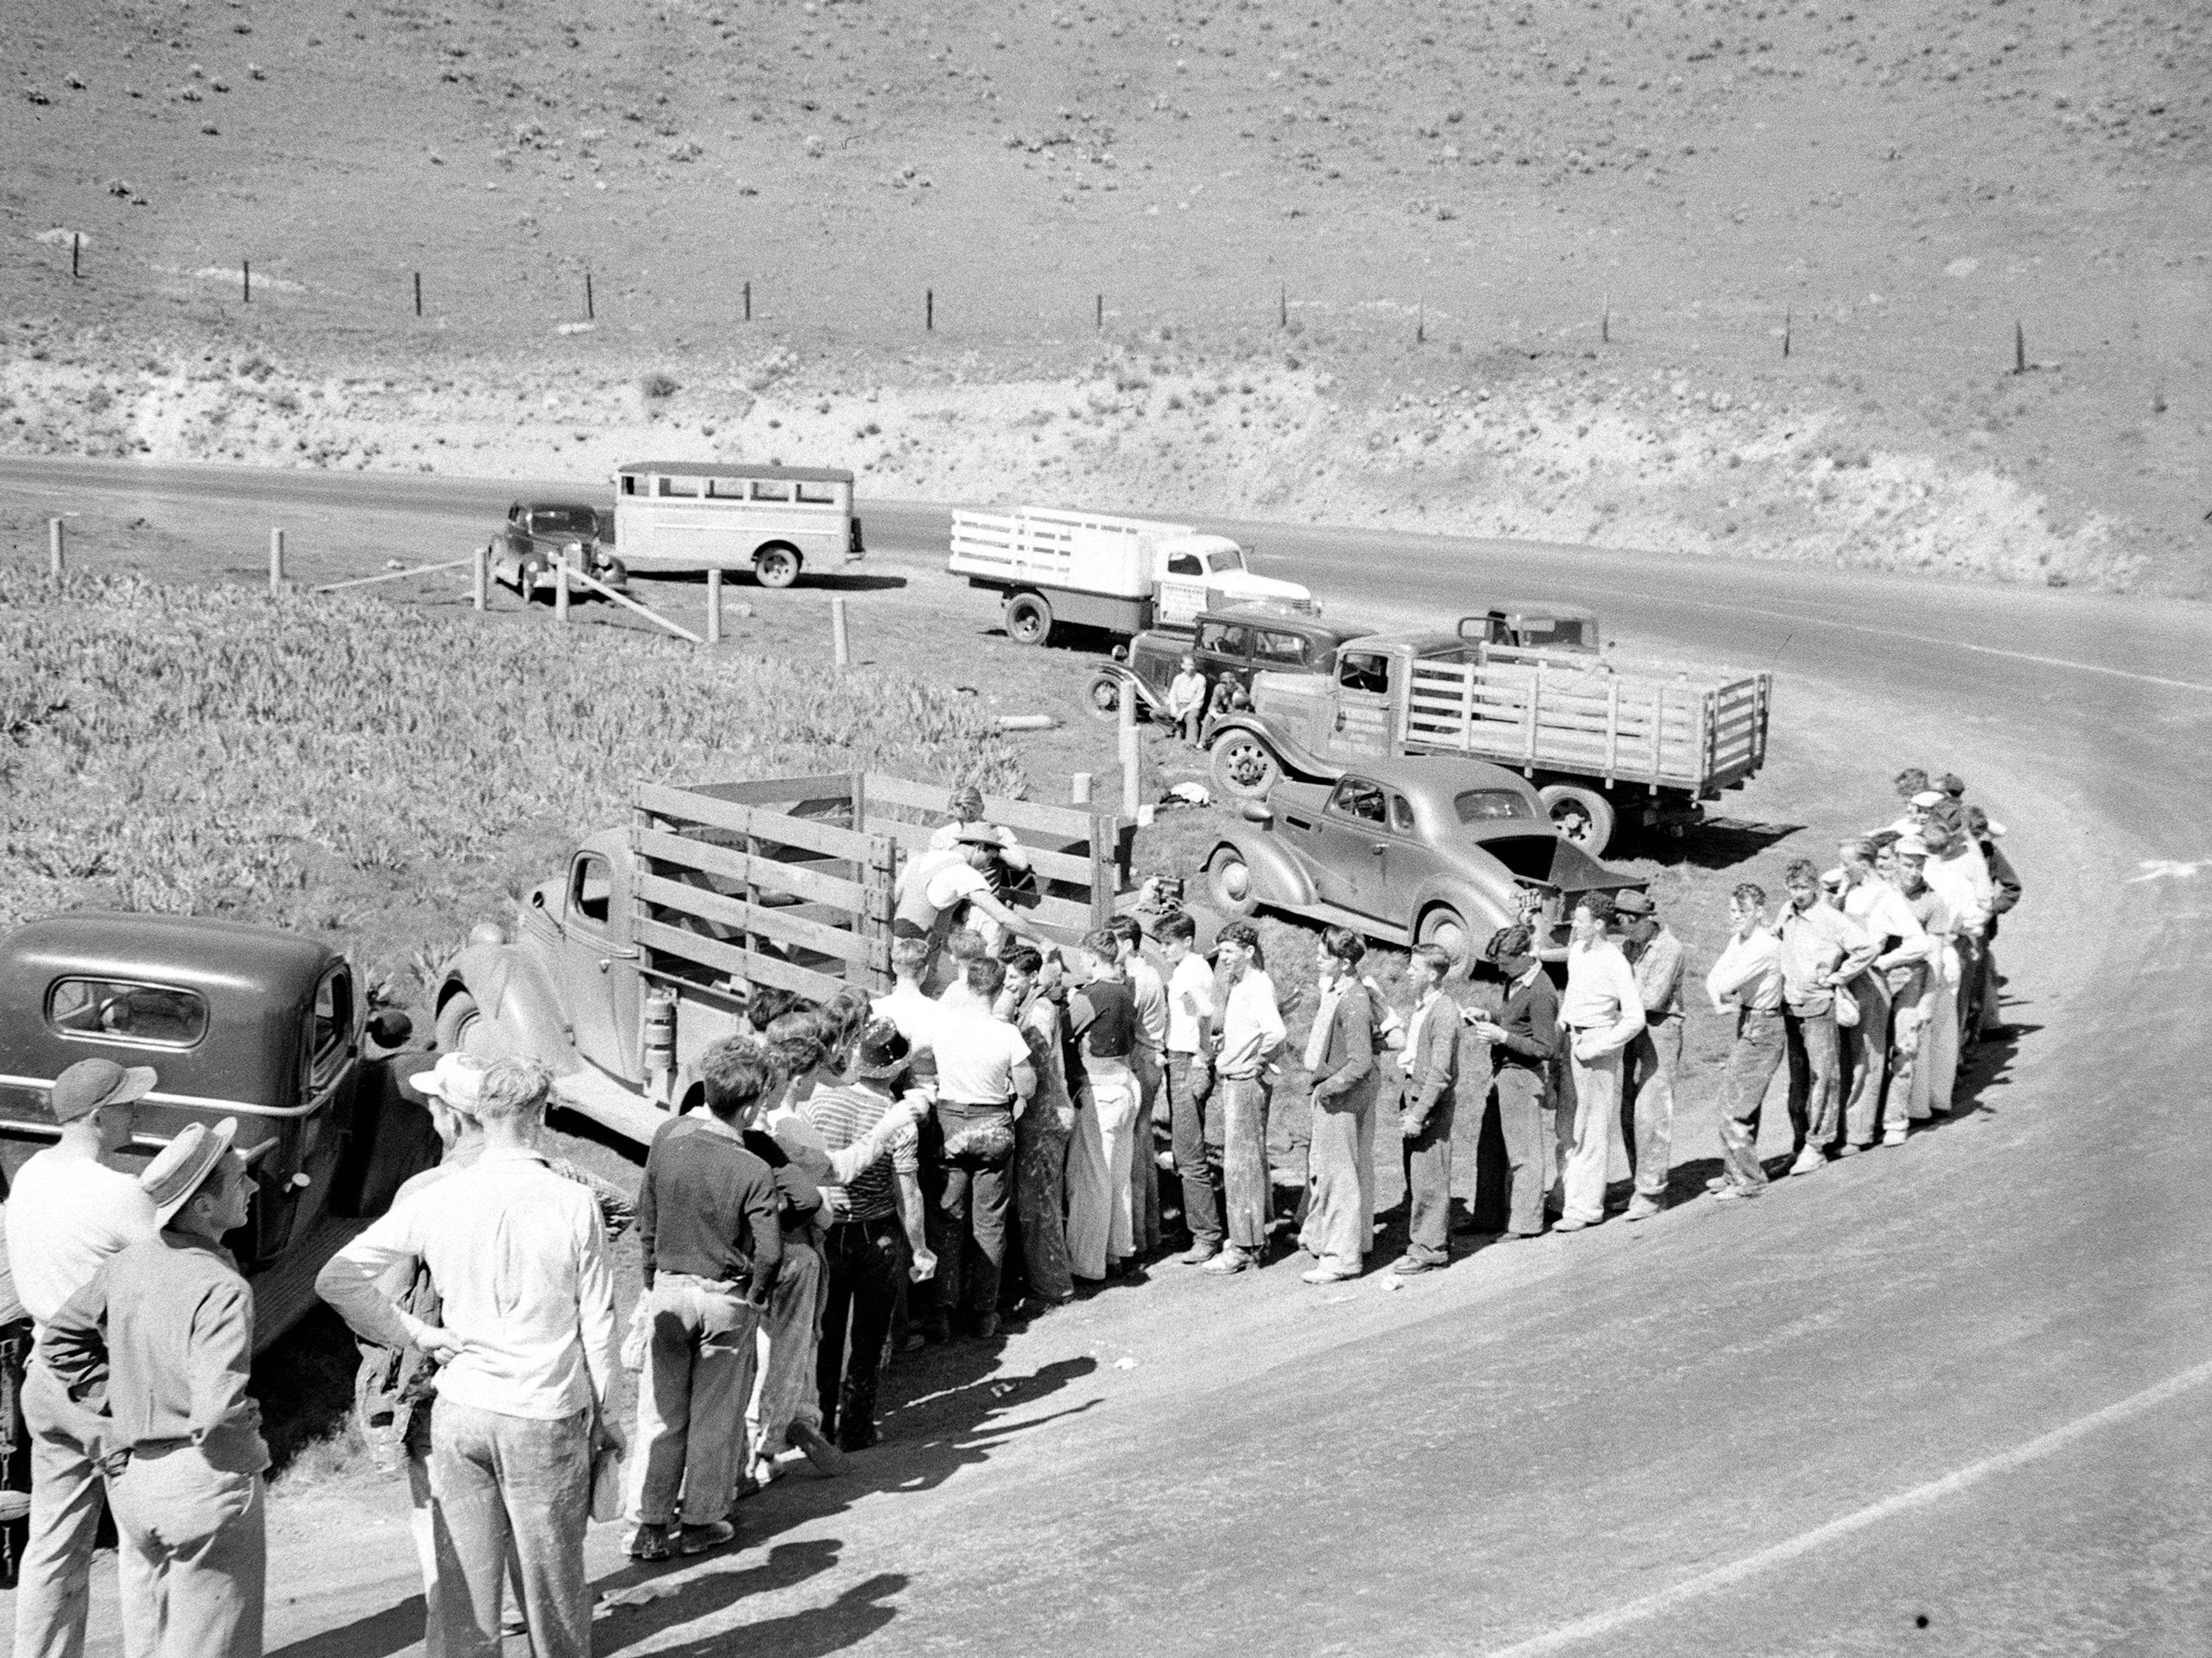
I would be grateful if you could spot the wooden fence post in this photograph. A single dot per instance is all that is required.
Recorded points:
(1128, 734)
(275, 560)
(246, 275)
(55, 533)
(749, 301)
(1079, 789)
(714, 607)
(418, 293)
(839, 644)
(480, 578)
(561, 586)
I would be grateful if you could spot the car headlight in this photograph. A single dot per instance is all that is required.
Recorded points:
(575, 548)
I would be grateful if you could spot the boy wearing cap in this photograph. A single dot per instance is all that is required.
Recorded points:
(1654, 1055)
(937, 886)
(68, 1211)
(165, 1331)
(1524, 1045)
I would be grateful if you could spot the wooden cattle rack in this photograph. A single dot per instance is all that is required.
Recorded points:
(791, 881)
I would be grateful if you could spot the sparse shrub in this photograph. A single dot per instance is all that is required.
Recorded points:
(657, 387)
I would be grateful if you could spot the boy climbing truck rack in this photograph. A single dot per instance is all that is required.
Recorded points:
(1606, 742)
(1120, 574)
(619, 974)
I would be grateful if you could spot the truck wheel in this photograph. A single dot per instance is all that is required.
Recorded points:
(1028, 619)
(455, 1020)
(1242, 767)
(776, 566)
(1229, 878)
(1444, 927)
(1584, 815)
(1105, 694)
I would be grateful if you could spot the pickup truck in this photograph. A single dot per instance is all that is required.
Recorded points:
(237, 1021)
(1604, 741)
(1122, 576)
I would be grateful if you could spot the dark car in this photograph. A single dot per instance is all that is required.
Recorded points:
(246, 1021)
(1430, 850)
(1231, 644)
(526, 552)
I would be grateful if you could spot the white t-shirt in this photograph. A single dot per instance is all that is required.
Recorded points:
(976, 1057)
(916, 1016)
(1152, 996)
(1190, 998)
(66, 1216)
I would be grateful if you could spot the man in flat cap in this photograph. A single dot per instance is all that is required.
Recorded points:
(71, 1208)
(166, 1328)
(1654, 1055)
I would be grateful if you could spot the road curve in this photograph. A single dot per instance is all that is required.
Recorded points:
(1960, 1390)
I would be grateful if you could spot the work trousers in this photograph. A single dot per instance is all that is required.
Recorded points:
(974, 1205)
(1973, 955)
(1339, 1218)
(1197, 1133)
(1863, 1057)
(1751, 1063)
(783, 1377)
(1522, 1098)
(1247, 1190)
(192, 1556)
(1650, 1063)
(53, 1583)
(1809, 1040)
(1428, 1166)
(862, 1268)
(517, 1485)
(1587, 1126)
(1144, 1156)
(1938, 1070)
(1912, 1000)
(691, 1400)
(1041, 1139)
(1101, 1224)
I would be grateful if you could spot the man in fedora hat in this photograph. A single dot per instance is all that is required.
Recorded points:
(937, 886)
(70, 1209)
(860, 1252)
(165, 1327)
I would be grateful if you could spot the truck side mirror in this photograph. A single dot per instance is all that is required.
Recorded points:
(390, 1027)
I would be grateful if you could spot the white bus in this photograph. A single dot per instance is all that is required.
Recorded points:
(772, 520)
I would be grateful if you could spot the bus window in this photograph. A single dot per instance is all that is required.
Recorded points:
(669, 486)
(727, 489)
(763, 490)
(629, 483)
(1186, 564)
(819, 494)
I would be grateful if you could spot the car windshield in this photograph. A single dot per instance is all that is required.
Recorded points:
(1489, 805)
(564, 521)
(1228, 558)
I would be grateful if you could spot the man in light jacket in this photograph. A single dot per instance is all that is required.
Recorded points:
(1654, 1055)
(1428, 1066)
(1599, 1015)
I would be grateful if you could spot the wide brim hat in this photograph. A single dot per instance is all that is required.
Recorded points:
(455, 1080)
(1630, 901)
(882, 1053)
(88, 1084)
(184, 1164)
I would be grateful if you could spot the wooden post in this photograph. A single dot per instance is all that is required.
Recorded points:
(1787, 318)
(1101, 311)
(246, 273)
(1079, 789)
(839, 645)
(275, 560)
(1421, 322)
(480, 578)
(749, 301)
(2018, 348)
(714, 607)
(418, 293)
(590, 311)
(76, 251)
(561, 586)
(1128, 734)
(54, 538)
(1283, 306)
(928, 310)
(1105, 844)
(1605, 323)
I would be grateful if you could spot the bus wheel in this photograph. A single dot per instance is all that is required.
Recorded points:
(776, 566)
(1028, 619)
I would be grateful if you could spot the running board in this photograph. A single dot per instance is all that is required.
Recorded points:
(1333, 915)
(590, 1092)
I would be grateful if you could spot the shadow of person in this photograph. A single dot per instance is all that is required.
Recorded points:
(682, 1593)
(845, 1622)
(394, 1629)
(1717, 844)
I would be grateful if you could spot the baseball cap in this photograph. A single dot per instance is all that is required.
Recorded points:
(1910, 845)
(90, 1083)
(457, 1079)
(184, 1164)
(1929, 798)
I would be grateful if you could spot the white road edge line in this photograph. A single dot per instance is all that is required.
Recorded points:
(1614, 1618)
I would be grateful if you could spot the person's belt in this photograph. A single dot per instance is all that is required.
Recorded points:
(980, 1105)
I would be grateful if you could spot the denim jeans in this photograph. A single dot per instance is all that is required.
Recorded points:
(783, 1384)
(1815, 1117)
(973, 1208)
(519, 1485)
(1751, 1063)
(1863, 1057)
(692, 1401)
(1522, 1096)
(53, 1585)
(861, 1264)
(192, 1556)
(1197, 1153)
(1143, 1155)
(1428, 1165)
(1248, 1189)
(1650, 1062)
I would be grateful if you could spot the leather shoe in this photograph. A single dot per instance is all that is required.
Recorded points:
(1564, 1224)
(1230, 1259)
(1408, 1266)
(1327, 1275)
(1643, 1208)
(1199, 1253)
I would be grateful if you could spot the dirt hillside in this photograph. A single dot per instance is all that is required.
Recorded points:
(1521, 269)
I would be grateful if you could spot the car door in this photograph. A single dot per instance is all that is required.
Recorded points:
(1224, 656)
(598, 976)
(1362, 725)
(1352, 847)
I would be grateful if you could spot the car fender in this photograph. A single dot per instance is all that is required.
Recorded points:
(521, 1012)
(1295, 760)
(1279, 876)
(1483, 907)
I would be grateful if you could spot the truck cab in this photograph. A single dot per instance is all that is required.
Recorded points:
(1536, 625)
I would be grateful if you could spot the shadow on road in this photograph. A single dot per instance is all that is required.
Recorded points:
(1718, 843)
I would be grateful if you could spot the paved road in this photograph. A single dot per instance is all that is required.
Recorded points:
(1965, 1382)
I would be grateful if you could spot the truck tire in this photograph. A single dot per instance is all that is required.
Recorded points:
(1244, 767)
(776, 565)
(1028, 619)
(1103, 694)
(1584, 815)
(1229, 882)
(1445, 928)
(455, 1018)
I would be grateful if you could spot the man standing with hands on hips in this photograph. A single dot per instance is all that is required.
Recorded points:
(165, 1329)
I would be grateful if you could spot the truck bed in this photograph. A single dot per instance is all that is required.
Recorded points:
(1564, 713)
